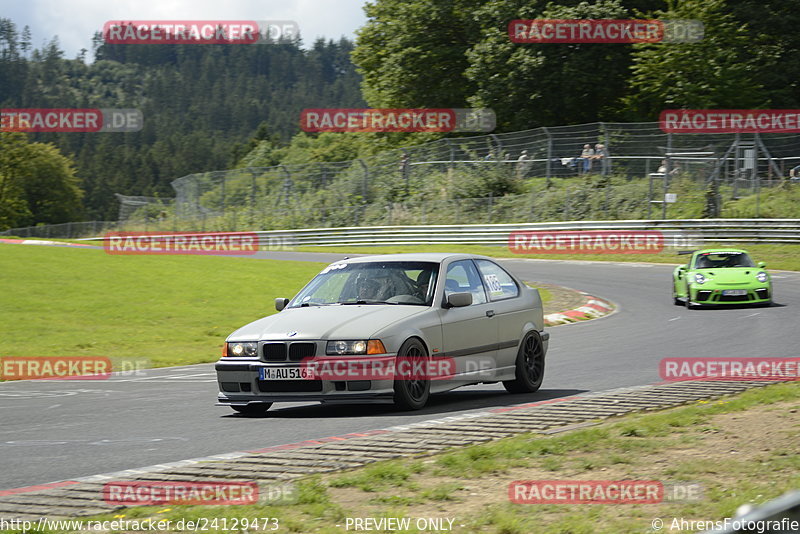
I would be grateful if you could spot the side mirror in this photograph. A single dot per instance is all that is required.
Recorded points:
(458, 300)
(281, 304)
(762, 264)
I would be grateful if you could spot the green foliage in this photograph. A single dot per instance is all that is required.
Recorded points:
(203, 106)
(720, 71)
(775, 202)
(530, 85)
(411, 54)
(37, 183)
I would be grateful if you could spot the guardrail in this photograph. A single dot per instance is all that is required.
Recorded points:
(677, 233)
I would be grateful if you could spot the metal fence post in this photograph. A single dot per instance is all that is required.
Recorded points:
(547, 168)
(252, 198)
(666, 177)
(365, 184)
(605, 162)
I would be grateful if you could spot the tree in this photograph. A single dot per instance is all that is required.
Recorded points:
(411, 53)
(37, 183)
(721, 71)
(531, 85)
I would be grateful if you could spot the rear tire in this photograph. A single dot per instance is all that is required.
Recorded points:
(412, 394)
(259, 408)
(529, 366)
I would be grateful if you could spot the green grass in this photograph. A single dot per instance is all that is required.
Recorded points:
(783, 257)
(166, 310)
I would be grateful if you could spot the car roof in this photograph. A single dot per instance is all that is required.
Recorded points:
(436, 257)
(720, 251)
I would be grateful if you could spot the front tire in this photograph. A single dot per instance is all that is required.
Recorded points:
(410, 393)
(689, 305)
(529, 366)
(253, 409)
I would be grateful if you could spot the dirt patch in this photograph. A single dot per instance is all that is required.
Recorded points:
(755, 445)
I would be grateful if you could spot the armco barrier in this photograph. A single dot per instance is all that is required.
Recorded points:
(677, 233)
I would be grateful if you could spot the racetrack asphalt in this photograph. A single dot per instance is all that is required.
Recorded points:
(61, 430)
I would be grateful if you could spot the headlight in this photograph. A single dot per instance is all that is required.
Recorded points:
(359, 346)
(699, 279)
(243, 349)
(762, 277)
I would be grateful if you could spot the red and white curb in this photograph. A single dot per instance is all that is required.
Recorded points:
(40, 242)
(594, 308)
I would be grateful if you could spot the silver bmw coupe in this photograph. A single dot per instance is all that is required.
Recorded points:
(391, 328)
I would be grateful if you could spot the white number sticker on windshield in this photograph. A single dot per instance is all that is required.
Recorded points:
(494, 284)
(333, 267)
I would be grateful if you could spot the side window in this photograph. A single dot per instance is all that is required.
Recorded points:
(463, 277)
(498, 282)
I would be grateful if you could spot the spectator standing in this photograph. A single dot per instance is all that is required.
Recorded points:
(600, 154)
(523, 164)
(794, 174)
(586, 158)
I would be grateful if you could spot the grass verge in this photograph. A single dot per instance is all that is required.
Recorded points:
(168, 310)
(740, 449)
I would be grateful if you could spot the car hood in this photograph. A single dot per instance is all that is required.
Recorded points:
(326, 322)
(731, 275)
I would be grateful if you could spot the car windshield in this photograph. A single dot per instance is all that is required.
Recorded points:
(383, 282)
(717, 260)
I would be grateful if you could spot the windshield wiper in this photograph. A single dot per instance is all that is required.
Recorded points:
(367, 302)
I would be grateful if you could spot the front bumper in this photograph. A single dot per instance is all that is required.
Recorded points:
(239, 384)
(714, 296)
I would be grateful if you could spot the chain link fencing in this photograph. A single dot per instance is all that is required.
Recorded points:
(595, 171)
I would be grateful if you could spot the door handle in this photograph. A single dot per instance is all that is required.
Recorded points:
(490, 313)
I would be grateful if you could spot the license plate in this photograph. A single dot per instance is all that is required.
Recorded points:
(735, 292)
(285, 373)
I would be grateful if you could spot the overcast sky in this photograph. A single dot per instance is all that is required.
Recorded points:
(75, 21)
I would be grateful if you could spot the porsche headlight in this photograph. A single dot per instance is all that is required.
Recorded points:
(762, 277)
(699, 279)
(243, 349)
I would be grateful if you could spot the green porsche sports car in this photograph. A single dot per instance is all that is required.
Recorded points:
(720, 276)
